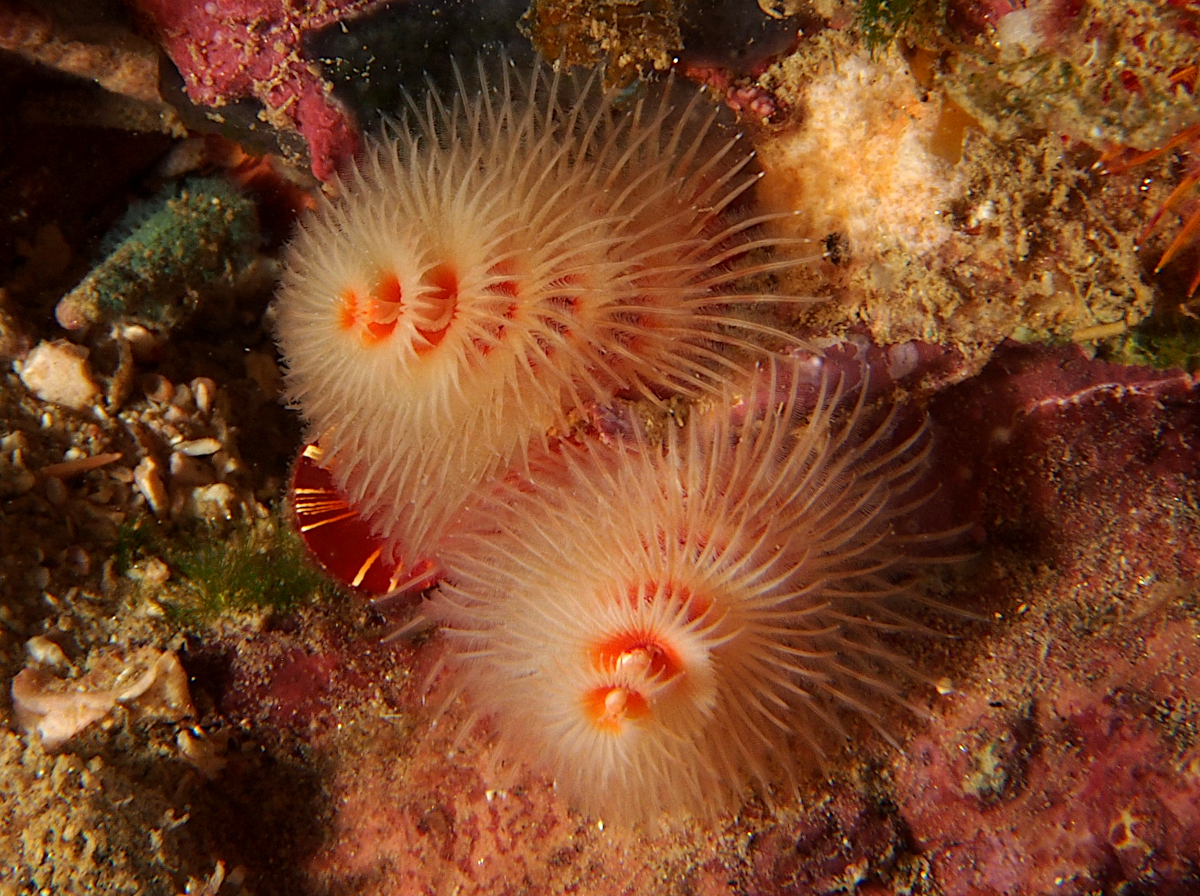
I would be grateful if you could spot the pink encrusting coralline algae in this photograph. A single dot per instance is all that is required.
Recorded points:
(252, 49)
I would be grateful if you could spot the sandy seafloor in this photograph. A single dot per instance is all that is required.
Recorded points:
(217, 718)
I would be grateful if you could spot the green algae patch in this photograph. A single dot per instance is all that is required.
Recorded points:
(1164, 342)
(264, 569)
(186, 243)
(882, 21)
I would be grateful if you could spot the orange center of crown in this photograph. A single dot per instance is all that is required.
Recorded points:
(609, 706)
(441, 301)
(641, 653)
(632, 656)
(374, 313)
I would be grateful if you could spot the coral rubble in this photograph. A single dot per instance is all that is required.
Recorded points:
(625, 37)
(939, 233)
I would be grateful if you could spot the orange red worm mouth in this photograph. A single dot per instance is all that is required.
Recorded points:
(376, 314)
(339, 538)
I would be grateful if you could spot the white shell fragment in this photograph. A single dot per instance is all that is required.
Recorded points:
(45, 652)
(149, 482)
(150, 683)
(59, 372)
(212, 502)
(199, 447)
(201, 752)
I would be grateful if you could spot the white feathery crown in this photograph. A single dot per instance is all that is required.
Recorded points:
(500, 258)
(659, 627)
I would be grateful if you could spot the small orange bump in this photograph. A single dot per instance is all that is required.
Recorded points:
(388, 290)
(444, 298)
(348, 313)
(609, 707)
(640, 652)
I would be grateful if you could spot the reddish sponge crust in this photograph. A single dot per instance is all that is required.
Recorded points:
(228, 51)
